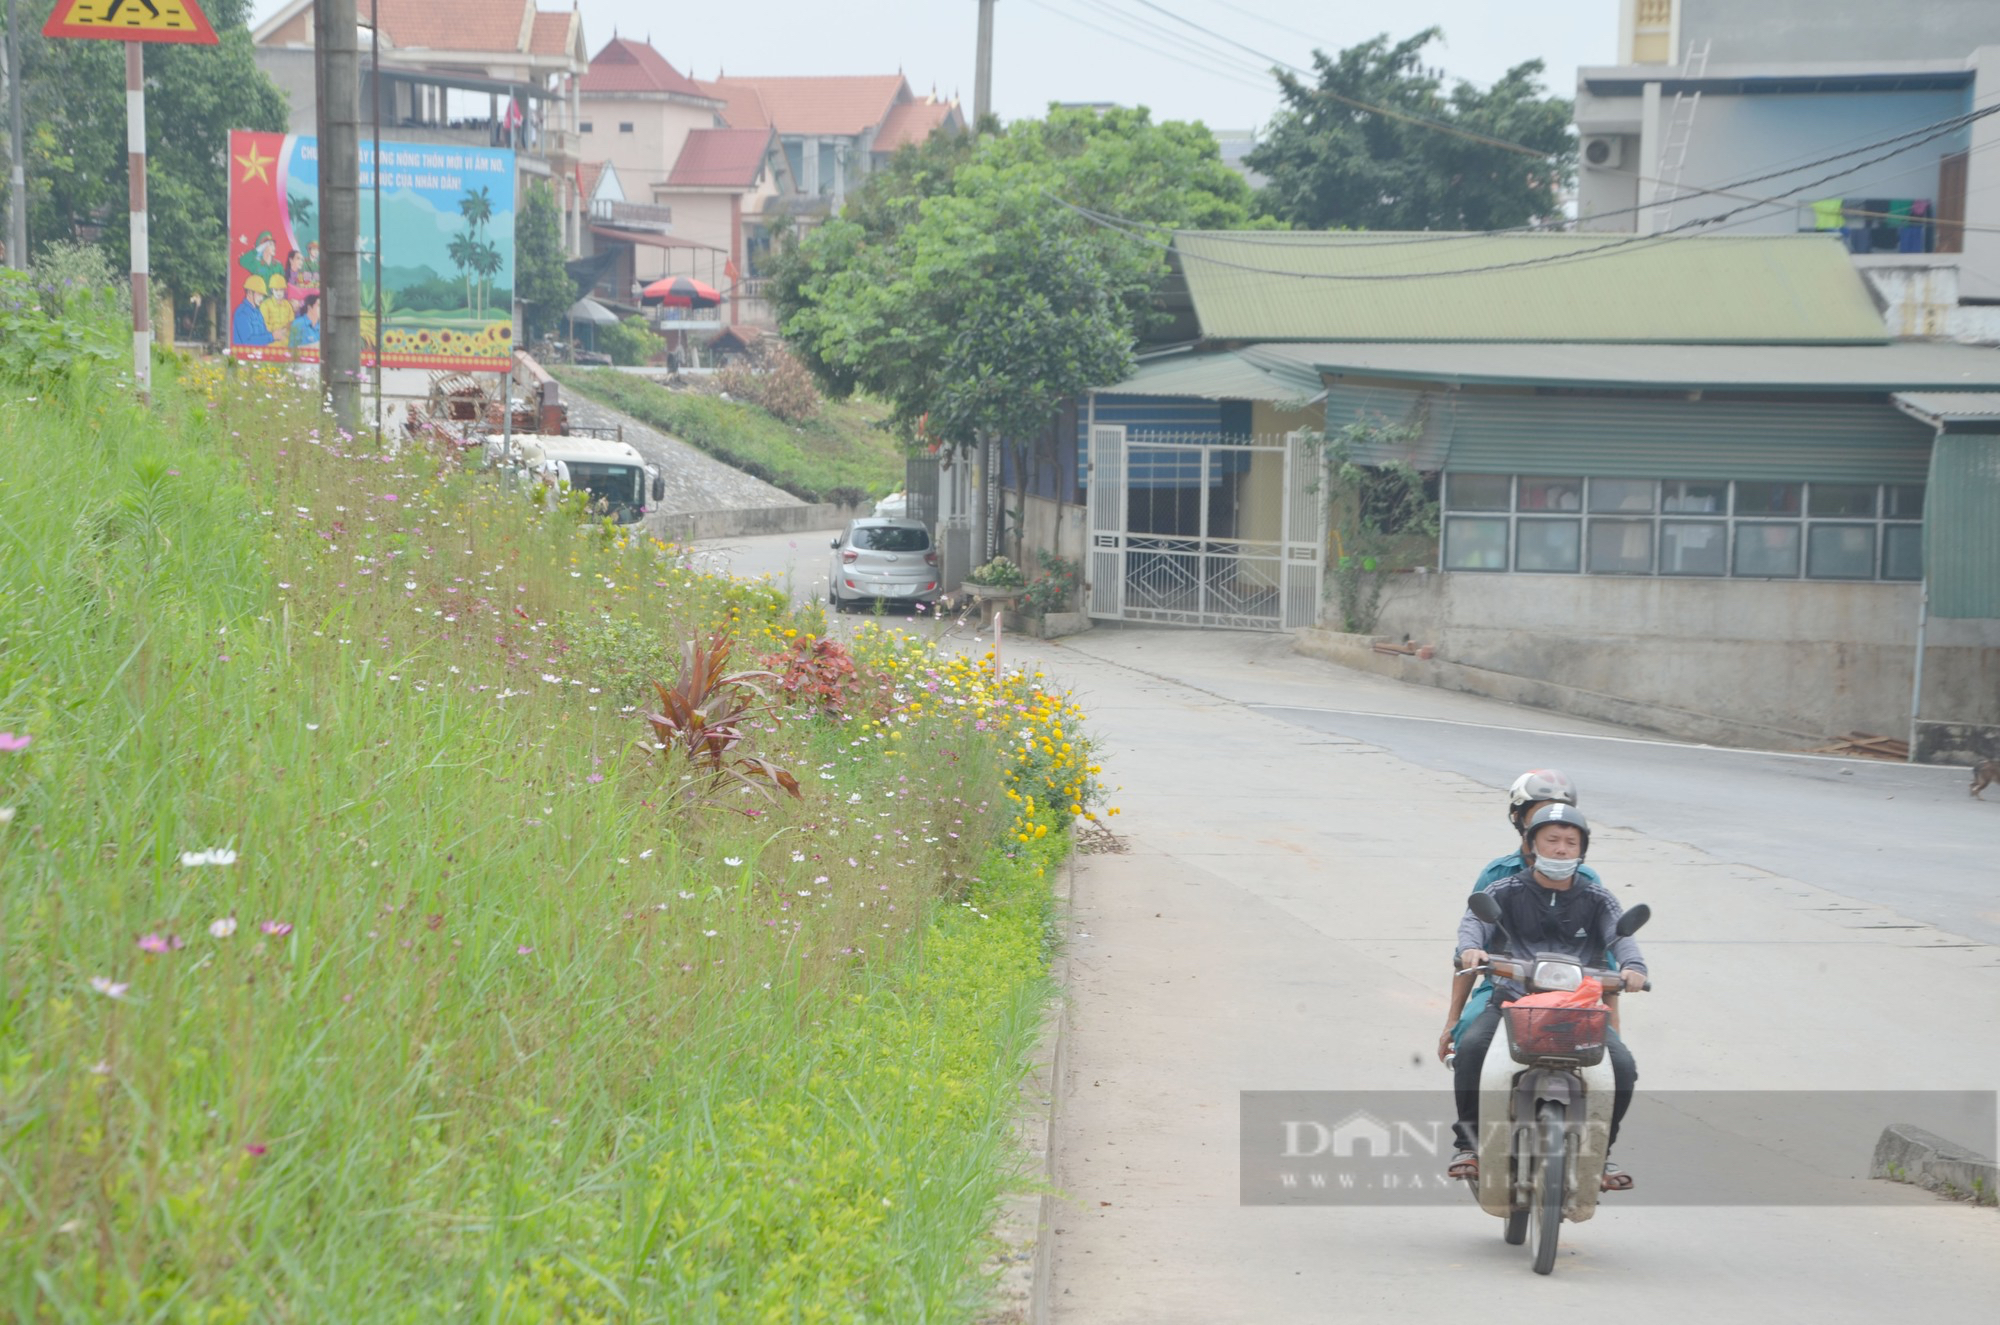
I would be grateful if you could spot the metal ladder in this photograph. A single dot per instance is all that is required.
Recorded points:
(1680, 131)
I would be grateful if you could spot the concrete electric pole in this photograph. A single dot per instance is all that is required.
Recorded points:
(17, 180)
(339, 56)
(982, 77)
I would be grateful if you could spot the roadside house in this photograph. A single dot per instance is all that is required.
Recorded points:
(1673, 473)
(488, 73)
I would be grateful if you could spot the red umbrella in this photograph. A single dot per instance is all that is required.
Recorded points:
(680, 292)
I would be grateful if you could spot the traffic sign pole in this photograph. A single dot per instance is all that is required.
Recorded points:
(145, 21)
(135, 147)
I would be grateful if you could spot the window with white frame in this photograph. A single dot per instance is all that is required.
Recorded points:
(1766, 530)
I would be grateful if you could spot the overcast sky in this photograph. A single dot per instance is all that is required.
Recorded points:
(1130, 53)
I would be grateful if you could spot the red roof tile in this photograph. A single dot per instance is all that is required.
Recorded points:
(554, 31)
(456, 25)
(587, 174)
(838, 106)
(742, 108)
(914, 121)
(720, 158)
(625, 65)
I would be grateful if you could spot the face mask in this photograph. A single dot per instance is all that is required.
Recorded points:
(1557, 870)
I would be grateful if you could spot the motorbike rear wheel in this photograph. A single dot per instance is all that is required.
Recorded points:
(1546, 1184)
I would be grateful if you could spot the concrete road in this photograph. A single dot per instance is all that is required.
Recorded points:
(1299, 840)
(1282, 921)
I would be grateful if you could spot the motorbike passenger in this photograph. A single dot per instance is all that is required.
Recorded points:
(1550, 907)
(1531, 791)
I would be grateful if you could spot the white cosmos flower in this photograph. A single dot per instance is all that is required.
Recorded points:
(732, 861)
(222, 928)
(212, 856)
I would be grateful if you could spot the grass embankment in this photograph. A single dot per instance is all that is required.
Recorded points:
(359, 960)
(838, 448)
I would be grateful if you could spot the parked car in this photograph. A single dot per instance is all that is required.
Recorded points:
(895, 506)
(883, 560)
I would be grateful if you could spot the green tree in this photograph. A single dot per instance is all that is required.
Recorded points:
(462, 249)
(76, 160)
(965, 287)
(543, 285)
(1331, 164)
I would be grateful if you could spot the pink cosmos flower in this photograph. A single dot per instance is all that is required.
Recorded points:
(12, 744)
(276, 928)
(108, 987)
(155, 944)
(523, 950)
(255, 1149)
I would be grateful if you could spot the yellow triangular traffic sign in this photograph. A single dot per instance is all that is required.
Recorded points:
(131, 20)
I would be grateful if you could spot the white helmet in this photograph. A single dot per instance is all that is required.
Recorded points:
(1535, 786)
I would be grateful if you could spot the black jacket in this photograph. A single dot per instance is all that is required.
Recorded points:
(1580, 922)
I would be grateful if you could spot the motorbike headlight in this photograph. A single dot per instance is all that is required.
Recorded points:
(1558, 975)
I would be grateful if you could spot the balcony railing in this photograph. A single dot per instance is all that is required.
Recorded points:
(633, 215)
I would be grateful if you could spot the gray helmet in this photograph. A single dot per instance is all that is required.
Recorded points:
(1534, 786)
(1558, 814)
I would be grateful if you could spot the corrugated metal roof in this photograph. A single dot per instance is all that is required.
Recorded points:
(1902, 366)
(1319, 286)
(1961, 537)
(1944, 408)
(1230, 375)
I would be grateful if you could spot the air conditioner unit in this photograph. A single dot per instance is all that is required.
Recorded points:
(1605, 152)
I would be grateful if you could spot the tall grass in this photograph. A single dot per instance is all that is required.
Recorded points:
(478, 1021)
(829, 457)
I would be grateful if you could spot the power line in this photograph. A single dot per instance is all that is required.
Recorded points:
(1208, 68)
(1923, 134)
(1204, 53)
(1683, 231)
(1425, 121)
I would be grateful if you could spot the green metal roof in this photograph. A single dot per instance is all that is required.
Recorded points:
(1901, 366)
(1979, 410)
(1225, 376)
(1369, 286)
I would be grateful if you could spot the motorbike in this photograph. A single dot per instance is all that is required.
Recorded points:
(1545, 1104)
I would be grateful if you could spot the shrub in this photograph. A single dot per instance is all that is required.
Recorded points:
(776, 382)
(631, 342)
(999, 573)
(1054, 590)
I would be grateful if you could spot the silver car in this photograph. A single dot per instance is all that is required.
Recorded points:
(883, 560)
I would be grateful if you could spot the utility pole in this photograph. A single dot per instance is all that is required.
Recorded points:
(338, 53)
(142, 258)
(982, 78)
(17, 180)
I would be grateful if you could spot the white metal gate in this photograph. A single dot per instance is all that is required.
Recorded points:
(1195, 533)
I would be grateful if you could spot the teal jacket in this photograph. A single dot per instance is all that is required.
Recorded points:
(1499, 868)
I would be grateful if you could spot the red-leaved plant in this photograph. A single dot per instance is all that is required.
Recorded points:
(819, 672)
(701, 720)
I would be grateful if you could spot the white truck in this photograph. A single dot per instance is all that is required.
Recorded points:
(620, 482)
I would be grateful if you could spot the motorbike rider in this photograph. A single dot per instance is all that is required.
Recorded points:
(1531, 791)
(1550, 907)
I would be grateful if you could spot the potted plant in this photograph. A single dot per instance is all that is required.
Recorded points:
(999, 580)
(1050, 601)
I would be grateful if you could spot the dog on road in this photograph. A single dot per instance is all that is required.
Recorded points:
(1984, 774)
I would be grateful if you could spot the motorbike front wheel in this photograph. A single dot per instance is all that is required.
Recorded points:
(1545, 1188)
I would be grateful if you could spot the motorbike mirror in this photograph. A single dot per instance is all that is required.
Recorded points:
(1488, 910)
(1629, 923)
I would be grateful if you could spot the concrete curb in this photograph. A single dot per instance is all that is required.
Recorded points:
(1040, 1307)
(699, 526)
(1910, 1154)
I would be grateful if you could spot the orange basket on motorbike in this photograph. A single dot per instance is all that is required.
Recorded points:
(1573, 1033)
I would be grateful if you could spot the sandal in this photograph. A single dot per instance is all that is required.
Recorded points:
(1465, 1165)
(1614, 1179)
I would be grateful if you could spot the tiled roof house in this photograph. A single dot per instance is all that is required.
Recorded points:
(453, 71)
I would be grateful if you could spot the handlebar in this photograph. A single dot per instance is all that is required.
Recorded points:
(1613, 981)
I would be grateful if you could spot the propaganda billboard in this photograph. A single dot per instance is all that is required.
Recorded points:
(447, 261)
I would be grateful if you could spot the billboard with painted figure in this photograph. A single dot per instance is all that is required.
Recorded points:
(447, 260)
